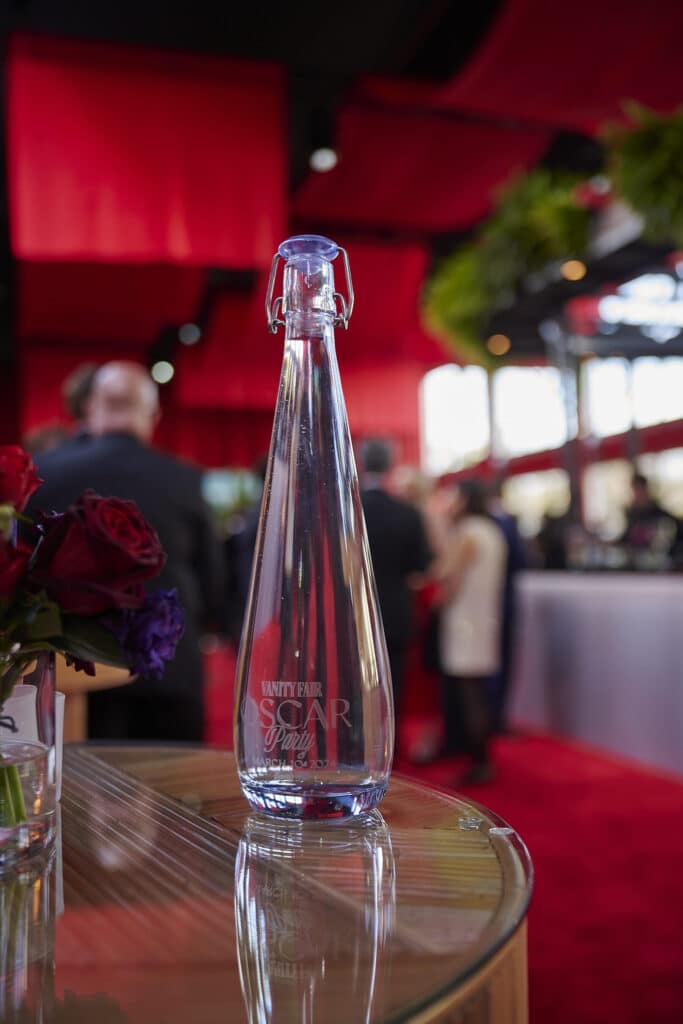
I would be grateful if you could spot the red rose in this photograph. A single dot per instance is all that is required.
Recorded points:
(13, 564)
(96, 555)
(18, 477)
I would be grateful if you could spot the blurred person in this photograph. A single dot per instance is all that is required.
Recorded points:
(76, 391)
(410, 484)
(399, 550)
(650, 529)
(116, 459)
(552, 542)
(516, 560)
(471, 573)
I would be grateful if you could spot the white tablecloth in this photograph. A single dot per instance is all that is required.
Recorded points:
(600, 659)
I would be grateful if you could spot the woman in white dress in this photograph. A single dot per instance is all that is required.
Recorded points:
(471, 574)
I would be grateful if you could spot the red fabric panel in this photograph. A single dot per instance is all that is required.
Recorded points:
(383, 401)
(386, 324)
(415, 171)
(237, 363)
(574, 66)
(104, 302)
(240, 437)
(133, 155)
(216, 437)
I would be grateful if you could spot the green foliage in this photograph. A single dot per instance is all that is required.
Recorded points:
(536, 221)
(457, 299)
(646, 166)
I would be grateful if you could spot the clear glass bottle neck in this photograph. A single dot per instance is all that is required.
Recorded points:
(309, 326)
(309, 286)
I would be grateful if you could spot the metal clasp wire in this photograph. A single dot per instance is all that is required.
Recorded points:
(341, 318)
(346, 304)
(273, 308)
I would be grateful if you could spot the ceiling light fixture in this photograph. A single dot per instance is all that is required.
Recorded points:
(323, 159)
(162, 371)
(189, 334)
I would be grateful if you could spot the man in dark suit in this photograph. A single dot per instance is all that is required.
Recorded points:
(116, 460)
(516, 561)
(399, 550)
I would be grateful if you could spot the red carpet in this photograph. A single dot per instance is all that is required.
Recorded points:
(606, 838)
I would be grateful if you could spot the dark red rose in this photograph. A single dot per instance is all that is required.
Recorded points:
(18, 477)
(96, 555)
(13, 565)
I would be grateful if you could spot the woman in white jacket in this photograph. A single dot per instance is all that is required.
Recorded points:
(471, 573)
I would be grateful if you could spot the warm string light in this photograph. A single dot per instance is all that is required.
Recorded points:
(573, 270)
(498, 344)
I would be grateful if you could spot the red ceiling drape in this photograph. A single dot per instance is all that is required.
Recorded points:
(552, 68)
(415, 171)
(130, 155)
(574, 66)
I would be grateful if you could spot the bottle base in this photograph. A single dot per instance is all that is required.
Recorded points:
(305, 804)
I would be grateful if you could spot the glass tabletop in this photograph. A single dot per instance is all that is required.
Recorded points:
(168, 899)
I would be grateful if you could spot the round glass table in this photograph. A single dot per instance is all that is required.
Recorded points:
(167, 899)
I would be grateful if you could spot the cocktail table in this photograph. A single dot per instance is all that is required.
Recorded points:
(176, 902)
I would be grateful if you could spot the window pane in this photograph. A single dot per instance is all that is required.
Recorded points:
(657, 389)
(528, 409)
(455, 417)
(606, 403)
(664, 470)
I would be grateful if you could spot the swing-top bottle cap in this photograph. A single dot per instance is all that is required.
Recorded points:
(308, 245)
(309, 281)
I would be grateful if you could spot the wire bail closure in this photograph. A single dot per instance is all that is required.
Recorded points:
(345, 305)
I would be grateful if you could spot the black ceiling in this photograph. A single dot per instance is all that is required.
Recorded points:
(427, 38)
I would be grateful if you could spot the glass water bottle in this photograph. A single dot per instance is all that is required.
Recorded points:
(314, 725)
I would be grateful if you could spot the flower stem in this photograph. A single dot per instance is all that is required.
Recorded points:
(17, 793)
(12, 805)
(6, 802)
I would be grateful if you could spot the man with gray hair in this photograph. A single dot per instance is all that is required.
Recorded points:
(117, 460)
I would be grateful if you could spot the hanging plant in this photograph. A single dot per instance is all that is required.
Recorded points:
(537, 221)
(456, 302)
(646, 166)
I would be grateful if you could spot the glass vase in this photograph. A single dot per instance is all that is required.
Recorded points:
(27, 941)
(28, 765)
(313, 716)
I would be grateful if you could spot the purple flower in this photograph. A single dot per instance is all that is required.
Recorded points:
(149, 635)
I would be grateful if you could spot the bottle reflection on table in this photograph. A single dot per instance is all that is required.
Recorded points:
(314, 908)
